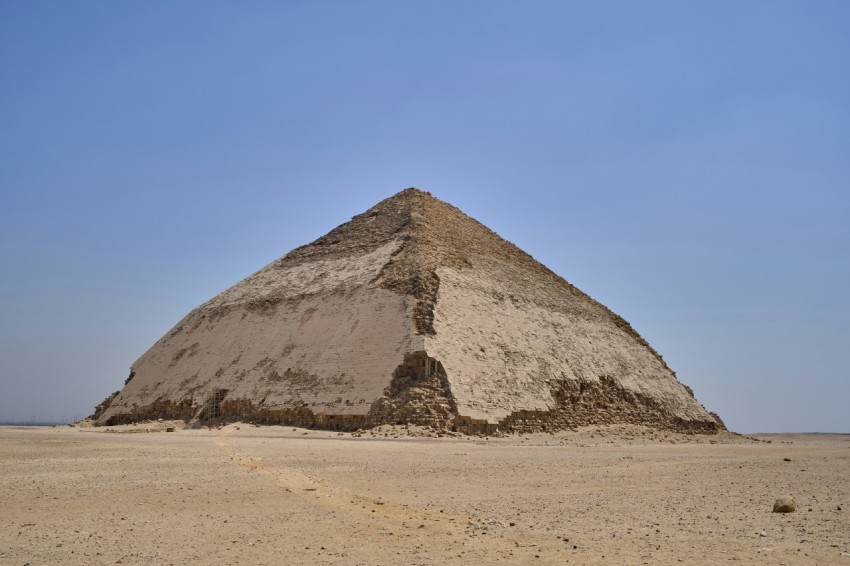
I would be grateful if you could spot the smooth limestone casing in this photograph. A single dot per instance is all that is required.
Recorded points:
(503, 354)
(339, 337)
(412, 311)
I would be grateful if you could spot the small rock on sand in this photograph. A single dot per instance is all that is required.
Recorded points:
(785, 504)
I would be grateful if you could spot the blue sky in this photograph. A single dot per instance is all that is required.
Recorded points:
(685, 163)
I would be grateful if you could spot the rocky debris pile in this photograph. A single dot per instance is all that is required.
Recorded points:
(405, 431)
(146, 426)
(102, 406)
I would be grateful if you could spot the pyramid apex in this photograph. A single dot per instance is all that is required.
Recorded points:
(410, 191)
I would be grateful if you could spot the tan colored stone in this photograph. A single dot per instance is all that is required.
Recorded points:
(412, 312)
(785, 504)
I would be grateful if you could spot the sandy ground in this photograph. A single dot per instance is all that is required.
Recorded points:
(272, 495)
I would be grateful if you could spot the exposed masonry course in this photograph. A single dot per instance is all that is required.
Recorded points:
(412, 312)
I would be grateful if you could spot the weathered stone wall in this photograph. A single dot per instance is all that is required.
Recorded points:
(335, 335)
(159, 409)
(506, 350)
(579, 404)
(419, 393)
(333, 350)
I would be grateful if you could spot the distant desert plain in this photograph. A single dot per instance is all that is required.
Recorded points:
(243, 494)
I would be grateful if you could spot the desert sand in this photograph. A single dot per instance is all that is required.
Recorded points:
(243, 494)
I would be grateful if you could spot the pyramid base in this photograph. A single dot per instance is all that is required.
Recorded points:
(519, 422)
(420, 394)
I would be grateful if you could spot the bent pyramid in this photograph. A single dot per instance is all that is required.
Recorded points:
(412, 312)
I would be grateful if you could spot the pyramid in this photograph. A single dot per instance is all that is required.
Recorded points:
(414, 313)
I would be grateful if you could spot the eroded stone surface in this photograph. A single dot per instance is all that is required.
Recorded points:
(785, 504)
(412, 312)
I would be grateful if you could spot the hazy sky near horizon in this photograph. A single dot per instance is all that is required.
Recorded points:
(685, 163)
